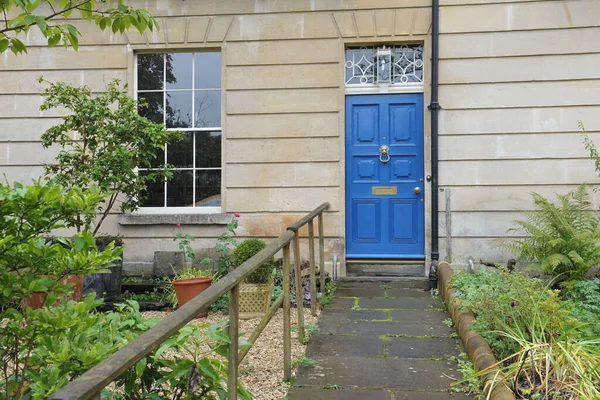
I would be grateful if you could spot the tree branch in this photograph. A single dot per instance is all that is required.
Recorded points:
(47, 18)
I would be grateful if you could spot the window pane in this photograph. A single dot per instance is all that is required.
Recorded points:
(208, 188)
(180, 189)
(154, 196)
(181, 153)
(179, 71)
(208, 149)
(207, 70)
(154, 110)
(150, 71)
(179, 109)
(207, 109)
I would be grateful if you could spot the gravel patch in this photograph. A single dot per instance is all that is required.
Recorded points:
(261, 371)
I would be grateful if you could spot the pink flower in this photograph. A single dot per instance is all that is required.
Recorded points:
(179, 225)
(237, 215)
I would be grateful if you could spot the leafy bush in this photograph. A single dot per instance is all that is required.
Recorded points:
(556, 364)
(559, 239)
(246, 250)
(583, 303)
(184, 366)
(30, 264)
(546, 345)
(72, 337)
(501, 299)
(112, 141)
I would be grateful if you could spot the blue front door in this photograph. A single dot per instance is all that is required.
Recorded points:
(384, 177)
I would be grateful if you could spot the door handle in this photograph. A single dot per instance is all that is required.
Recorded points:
(417, 190)
(384, 154)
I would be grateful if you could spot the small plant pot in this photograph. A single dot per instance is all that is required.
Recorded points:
(35, 301)
(77, 288)
(187, 289)
(38, 299)
(254, 299)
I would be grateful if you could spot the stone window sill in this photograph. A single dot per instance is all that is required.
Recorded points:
(174, 219)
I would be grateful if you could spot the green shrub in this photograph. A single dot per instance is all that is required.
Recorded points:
(546, 341)
(559, 239)
(31, 263)
(501, 299)
(246, 250)
(583, 303)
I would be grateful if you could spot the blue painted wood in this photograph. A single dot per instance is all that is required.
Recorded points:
(384, 226)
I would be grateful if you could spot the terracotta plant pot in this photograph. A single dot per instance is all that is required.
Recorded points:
(187, 289)
(77, 294)
(37, 300)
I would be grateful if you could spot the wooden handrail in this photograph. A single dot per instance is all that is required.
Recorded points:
(89, 384)
(305, 220)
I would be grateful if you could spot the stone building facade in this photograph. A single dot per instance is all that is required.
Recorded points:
(515, 77)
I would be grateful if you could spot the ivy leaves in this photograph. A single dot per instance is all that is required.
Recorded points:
(51, 16)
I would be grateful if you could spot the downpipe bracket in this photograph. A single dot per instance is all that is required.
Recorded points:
(433, 275)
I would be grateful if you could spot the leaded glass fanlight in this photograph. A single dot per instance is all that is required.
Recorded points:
(396, 65)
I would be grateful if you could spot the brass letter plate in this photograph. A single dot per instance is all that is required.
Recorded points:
(384, 190)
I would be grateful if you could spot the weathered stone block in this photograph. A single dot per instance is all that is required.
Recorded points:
(166, 263)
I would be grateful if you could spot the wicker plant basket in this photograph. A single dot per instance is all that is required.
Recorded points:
(254, 299)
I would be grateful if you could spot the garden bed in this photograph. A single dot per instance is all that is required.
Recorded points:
(546, 339)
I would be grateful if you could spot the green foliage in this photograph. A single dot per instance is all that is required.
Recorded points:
(499, 298)
(277, 290)
(185, 245)
(246, 250)
(183, 367)
(31, 263)
(326, 297)
(156, 294)
(562, 363)
(225, 243)
(546, 345)
(53, 22)
(583, 303)
(309, 330)
(559, 239)
(590, 147)
(221, 305)
(72, 337)
(103, 140)
(470, 383)
(303, 361)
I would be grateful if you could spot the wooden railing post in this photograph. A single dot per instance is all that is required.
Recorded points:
(313, 276)
(287, 325)
(234, 313)
(322, 255)
(299, 291)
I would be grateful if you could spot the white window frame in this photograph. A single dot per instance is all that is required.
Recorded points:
(383, 88)
(183, 210)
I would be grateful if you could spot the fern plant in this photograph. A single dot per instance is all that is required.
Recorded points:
(559, 239)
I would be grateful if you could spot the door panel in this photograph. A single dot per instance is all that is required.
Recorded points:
(385, 215)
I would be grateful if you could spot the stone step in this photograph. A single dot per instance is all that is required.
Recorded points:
(385, 270)
(397, 282)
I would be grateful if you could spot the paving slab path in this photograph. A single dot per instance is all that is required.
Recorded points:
(381, 341)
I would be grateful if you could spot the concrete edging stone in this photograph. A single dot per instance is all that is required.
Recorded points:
(476, 346)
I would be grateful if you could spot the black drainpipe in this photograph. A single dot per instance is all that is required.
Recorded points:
(434, 107)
